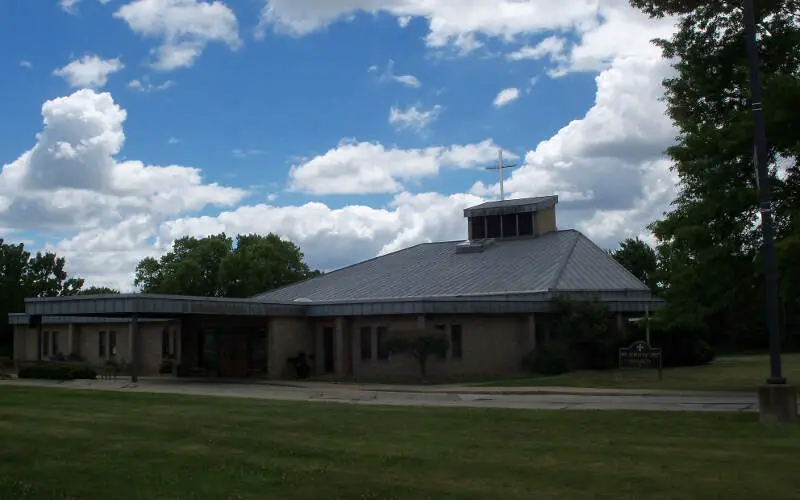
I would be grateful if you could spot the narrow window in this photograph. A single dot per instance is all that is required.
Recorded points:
(383, 353)
(45, 343)
(165, 352)
(112, 342)
(494, 226)
(443, 329)
(525, 222)
(455, 341)
(54, 339)
(101, 344)
(366, 343)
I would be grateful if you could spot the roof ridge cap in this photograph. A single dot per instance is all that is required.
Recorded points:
(566, 260)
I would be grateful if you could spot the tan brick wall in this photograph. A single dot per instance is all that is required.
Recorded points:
(25, 344)
(287, 337)
(545, 221)
(491, 346)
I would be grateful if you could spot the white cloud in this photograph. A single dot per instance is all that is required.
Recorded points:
(90, 71)
(69, 6)
(244, 153)
(173, 140)
(413, 118)
(26, 64)
(552, 46)
(450, 23)
(388, 75)
(70, 179)
(184, 26)
(369, 167)
(144, 85)
(506, 96)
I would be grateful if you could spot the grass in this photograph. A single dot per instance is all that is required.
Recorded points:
(734, 373)
(59, 443)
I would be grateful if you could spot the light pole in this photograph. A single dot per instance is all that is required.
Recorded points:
(764, 196)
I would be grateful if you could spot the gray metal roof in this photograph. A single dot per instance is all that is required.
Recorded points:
(512, 206)
(155, 305)
(557, 261)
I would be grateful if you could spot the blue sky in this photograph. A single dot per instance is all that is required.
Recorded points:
(172, 117)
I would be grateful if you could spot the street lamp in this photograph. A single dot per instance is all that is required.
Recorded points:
(764, 195)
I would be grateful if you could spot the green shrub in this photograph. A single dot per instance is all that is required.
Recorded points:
(57, 371)
(680, 346)
(550, 359)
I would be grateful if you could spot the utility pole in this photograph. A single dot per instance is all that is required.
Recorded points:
(764, 195)
(500, 166)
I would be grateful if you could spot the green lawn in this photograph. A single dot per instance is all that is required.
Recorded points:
(738, 373)
(59, 443)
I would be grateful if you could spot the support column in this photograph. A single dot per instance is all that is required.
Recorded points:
(421, 322)
(339, 348)
(70, 341)
(531, 332)
(133, 346)
(620, 325)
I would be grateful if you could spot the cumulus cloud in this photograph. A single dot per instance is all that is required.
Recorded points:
(70, 178)
(506, 96)
(90, 71)
(184, 26)
(413, 118)
(450, 23)
(370, 167)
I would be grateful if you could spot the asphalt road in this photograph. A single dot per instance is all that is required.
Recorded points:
(338, 393)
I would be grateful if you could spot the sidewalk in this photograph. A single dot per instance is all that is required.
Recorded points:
(507, 391)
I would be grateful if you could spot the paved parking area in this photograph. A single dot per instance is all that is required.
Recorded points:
(569, 399)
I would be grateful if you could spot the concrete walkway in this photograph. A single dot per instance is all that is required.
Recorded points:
(454, 396)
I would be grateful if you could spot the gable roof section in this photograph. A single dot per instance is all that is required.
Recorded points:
(557, 261)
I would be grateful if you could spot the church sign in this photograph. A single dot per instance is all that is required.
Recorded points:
(640, 355)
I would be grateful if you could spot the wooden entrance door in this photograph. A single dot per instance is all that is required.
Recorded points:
(232, 352)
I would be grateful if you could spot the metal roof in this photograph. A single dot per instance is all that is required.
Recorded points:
(555, 262)
(23, 319)
(145, 305)
(519, 205)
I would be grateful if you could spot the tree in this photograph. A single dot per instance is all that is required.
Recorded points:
(215, 267)
(421, 345)
(640, 259)
(23, 275)
(98, 290)
(709, 242)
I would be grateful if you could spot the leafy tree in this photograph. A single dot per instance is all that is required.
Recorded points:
(709, 242)
(23, 275)
(640, 259)
(215, 267)
(421, 345)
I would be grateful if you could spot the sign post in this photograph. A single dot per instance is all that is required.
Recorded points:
(640, 355)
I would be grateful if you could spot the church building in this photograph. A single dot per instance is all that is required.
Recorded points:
(491, 294)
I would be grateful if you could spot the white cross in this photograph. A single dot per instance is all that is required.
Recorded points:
(500, 166)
